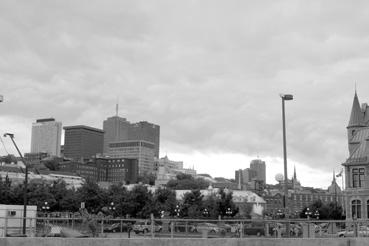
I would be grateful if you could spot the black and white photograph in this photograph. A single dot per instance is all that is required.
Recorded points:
(184, 122)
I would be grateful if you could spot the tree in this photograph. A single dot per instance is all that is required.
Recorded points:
(147, 178)
(138, 202)
(164, 200)
(192, 204)
(52, 164)
(187, 182)
(225, 202)
(93, 196)
(327, 211)
(6, 195)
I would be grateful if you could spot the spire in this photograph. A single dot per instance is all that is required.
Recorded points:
(294, 173)
(334, 176)
(356, 118)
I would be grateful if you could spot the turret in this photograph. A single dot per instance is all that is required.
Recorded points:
(355, 123)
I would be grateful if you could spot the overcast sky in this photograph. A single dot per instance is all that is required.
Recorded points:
(208, 72)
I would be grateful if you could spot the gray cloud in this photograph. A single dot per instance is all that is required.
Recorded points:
(208, 72)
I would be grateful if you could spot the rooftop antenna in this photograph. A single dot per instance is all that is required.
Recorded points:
(117, 107)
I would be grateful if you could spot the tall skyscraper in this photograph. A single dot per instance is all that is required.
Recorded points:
(259, 167)
(82, 142)
(46, 136)
(119, 129)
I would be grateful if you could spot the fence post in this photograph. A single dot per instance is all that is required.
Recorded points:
(241, 229)
(5, 225)
(102, 226)
(152, 225)
(171, 229)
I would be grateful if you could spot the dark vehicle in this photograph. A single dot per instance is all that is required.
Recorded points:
(145, 226)
(181, 226)
(118, 227)
(210, 227)
(254, 229)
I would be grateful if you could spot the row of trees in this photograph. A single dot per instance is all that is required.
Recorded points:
(138, 202)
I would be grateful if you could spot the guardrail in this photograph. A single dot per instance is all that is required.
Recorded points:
(182, 228)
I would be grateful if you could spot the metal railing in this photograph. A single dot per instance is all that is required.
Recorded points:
(182, 228)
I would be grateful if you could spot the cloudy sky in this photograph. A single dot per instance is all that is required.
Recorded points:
(208, 72)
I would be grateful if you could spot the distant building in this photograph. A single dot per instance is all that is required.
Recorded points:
(118, 129)
(300, 197)
(82, 142)
(244, 177)
(141, 150)
(35, 158)
(104, 169)
(46, 136)
(259, 167)
(166, 169)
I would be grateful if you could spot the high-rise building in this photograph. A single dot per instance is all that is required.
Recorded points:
(259, 167)
(119, 129)
(46, 136)
(141, 150)
(82, 142)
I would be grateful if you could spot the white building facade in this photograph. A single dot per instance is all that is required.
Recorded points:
(46, 136)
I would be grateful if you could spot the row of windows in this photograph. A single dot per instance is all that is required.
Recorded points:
(356, 209)
(131, 144)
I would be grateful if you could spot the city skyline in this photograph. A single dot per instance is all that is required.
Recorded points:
(208, 73)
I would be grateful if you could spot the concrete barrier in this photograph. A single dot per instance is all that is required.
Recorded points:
(183, 242)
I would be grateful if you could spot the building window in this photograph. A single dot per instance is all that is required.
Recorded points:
(356, 209)
(357, 177)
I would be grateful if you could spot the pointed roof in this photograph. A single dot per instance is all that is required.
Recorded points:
(357, 117)
(294, 173)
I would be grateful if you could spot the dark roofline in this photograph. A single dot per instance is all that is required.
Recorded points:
(45, 120)
(83, 127)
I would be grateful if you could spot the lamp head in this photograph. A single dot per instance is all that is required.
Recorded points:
(286, 97)
(11, 135)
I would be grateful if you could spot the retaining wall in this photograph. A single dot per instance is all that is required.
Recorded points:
(182, 242)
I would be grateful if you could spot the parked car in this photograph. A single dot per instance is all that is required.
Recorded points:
(362, 231)
(145, 226)
(118, 227)
(180, 226)
(213, 228)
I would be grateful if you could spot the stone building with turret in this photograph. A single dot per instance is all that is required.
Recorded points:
(357, 164)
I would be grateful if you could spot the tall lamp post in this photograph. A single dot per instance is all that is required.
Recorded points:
(25, 182)
(285, 97)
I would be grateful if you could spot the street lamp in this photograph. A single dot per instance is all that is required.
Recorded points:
(316, 214)
(25, 182)
(177, 210)
(112, 207)
(45, 207)
(279, 214)
(229, 212)
(308, 213)
(205, 212)
(285, 97)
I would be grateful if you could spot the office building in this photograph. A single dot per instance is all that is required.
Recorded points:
(82, 142)
(104, 169)
(118, 129)
(46, 136)
(143, 151)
